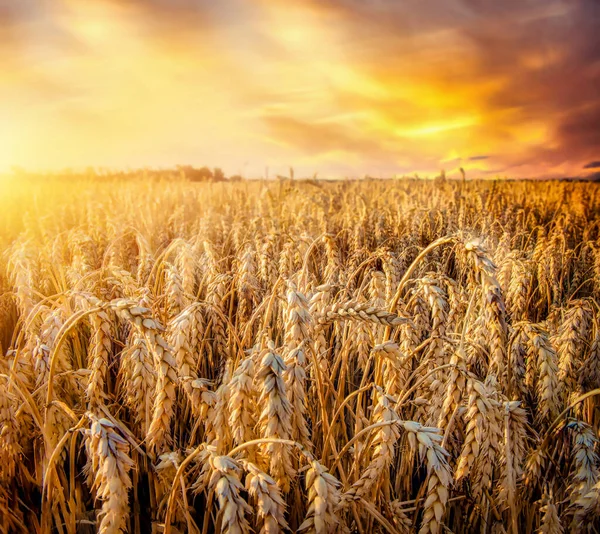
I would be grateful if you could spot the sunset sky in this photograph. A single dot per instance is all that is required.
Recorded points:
(338, 87)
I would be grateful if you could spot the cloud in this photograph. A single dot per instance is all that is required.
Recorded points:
(539, 60)
(334, 84)
(315, 139)
(592, 165)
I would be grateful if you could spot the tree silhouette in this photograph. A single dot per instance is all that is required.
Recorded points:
(218, 174)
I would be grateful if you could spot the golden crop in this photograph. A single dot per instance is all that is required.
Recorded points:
(379, 356)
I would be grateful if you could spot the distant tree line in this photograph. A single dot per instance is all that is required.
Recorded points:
(189, 172)
(205, 174)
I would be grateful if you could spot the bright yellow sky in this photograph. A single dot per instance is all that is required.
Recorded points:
(339, 87)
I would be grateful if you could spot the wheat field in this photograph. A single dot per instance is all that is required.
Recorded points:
(299, 356)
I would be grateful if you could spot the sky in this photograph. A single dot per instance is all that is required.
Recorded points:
(334, 87)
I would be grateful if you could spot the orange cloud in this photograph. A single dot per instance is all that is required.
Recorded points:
(335, 86)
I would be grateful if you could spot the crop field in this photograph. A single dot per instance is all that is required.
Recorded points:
(299, 356)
